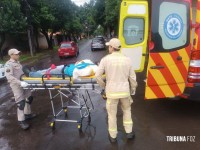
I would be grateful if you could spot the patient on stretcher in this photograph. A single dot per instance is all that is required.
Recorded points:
(81, 68)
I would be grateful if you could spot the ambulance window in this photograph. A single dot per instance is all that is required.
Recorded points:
(133, 31)
(171, 31)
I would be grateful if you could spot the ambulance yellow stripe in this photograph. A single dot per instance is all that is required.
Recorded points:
(197, 39)
(198, 18)
(175, 73)
(149, 93)
(160, 79)
(183, 53)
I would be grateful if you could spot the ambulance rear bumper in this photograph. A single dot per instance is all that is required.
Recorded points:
(192, 93)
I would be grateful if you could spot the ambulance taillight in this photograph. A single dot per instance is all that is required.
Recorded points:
(194, 68)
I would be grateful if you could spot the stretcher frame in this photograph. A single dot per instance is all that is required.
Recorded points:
(61, 85)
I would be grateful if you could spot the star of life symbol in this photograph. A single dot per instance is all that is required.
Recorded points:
(173, 26)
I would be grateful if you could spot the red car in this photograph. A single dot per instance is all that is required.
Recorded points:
(68, 49)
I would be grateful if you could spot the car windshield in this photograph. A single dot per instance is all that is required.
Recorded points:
(97, 40)
(65, 45)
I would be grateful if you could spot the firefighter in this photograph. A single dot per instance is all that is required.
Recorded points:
(23, 98)
(119, 86)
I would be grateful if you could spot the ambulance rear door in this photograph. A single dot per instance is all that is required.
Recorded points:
(169, 57)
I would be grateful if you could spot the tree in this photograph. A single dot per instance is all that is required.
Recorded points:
(87, 12)
(12, 21)
(112, 14)
(50, 16)
(99, 15)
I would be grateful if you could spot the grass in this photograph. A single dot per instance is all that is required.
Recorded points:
(55, 48)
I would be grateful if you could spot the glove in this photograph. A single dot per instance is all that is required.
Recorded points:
(24, 84)
(103, 94)
(133, 92)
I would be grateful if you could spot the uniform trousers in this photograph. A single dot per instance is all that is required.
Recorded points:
(21, 94)
(111, 106)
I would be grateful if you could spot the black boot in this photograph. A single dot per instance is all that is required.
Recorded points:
(24, 125)
(30, 116)
(112, 140)
(26, 71)
(130, 135)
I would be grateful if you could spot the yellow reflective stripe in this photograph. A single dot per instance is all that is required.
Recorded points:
(108, 101)
(128, 122)
(118, 94)
(112, 129)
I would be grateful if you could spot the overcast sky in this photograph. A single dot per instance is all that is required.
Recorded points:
(80, 2)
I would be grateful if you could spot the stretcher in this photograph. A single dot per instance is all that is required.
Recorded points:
(74, 92)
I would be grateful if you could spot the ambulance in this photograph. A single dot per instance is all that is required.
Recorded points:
(162, 34)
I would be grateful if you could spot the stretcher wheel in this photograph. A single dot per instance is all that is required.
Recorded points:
(66, 115)
(52, 124)
(79, 127)
(89, 119)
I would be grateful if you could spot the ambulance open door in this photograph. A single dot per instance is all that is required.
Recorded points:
(133, 31)
(169, 56)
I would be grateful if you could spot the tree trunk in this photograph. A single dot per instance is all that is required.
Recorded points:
(69, 36)
(36, 39)
(30, 41)
(47, 38)
(51, 39)
(2, 40)
(108, 32)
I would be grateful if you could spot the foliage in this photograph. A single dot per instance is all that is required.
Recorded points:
(112, 12)
(11, 18)
(99, 15)
(87, 12)
(12, 21)
(50, 16)
(99, 31)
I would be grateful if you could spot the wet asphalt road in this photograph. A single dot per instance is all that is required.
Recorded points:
(153, 120)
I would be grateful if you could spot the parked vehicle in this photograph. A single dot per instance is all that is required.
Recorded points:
(2, 72)
(98, 43)
(68, 49)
